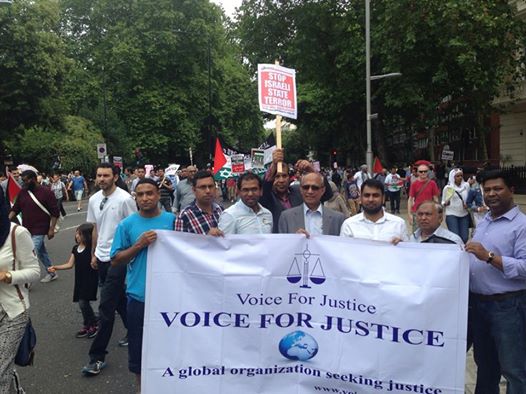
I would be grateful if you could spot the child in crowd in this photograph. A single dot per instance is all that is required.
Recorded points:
(86, 278)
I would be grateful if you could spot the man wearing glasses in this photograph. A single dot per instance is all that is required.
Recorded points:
(202, 215)
(311, 218)
(247, 216)
(423, 189)
(106, 209)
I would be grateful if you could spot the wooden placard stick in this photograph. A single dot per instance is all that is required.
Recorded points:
(278, 131)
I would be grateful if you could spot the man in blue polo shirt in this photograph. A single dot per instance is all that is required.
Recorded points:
(130, 246)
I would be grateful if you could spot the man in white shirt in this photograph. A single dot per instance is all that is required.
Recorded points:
(361, 176)
(311, 217)
(106, 209)
(373, 223)
(247, 216)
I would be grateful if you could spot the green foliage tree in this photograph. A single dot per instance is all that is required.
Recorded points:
(148, 63)
(41, 147)
(32, 69)
(463, 51)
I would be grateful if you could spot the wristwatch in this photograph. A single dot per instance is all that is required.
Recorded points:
(8, 278)
(491, 256)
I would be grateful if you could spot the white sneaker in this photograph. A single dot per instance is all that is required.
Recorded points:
(48, 278)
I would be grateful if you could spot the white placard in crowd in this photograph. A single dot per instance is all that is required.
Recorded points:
(277, 90)
(283, 314)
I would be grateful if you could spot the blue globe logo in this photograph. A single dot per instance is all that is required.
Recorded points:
(298, 346)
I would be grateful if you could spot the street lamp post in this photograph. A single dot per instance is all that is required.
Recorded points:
(368, 79)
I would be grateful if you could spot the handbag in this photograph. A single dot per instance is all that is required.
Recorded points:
(471, 223)
(43, 208)
(26, 349)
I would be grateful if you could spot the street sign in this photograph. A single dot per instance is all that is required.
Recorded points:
(447, 155)
(101, 151)
(277, 90)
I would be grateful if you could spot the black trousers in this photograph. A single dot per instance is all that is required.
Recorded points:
(112, 298)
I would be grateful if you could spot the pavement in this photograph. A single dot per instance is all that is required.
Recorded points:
(60, 356)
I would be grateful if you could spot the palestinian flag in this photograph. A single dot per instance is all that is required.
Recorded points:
(377, 166)
(223, 158)
(13, 188)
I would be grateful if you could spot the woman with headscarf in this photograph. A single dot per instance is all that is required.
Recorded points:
(336, 202)
(14, 308)
(454, 197)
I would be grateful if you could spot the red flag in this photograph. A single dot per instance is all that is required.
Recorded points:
(377, 166)
(219, 157)
(13, 188)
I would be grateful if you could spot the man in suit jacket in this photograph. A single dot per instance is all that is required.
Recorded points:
(311, 217)
(278, 195)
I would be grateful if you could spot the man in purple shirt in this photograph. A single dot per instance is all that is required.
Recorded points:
(498, 289)
(41, 219)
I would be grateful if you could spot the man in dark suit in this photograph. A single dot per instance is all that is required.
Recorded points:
(311, 217)
(278, 194)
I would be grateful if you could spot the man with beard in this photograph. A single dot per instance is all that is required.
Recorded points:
(373, 223)
(39, 214)
(106, 209)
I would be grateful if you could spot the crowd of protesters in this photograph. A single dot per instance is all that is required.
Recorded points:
(128, 208)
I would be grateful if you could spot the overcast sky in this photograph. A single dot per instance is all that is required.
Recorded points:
(228, 5)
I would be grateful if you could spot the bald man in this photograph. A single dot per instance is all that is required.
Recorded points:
(311, 217)
(184, 193)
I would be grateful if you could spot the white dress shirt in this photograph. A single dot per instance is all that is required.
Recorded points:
(313, 219)
(240, 219)
(384, 229)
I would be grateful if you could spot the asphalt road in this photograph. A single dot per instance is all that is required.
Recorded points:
(59, 355)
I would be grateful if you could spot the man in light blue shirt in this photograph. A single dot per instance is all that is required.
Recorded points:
(498, 289)
(247, 216)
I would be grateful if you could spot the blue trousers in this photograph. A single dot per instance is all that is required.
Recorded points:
(40, 250)
(135, 333)
(499, 344)
(459, 226)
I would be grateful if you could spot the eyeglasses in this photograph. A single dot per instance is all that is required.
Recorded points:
(103, 202)
(313, 187)
(423, 172)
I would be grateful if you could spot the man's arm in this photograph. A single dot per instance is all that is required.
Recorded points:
(227, 223)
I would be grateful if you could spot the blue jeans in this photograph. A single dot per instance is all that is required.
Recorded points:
(499, 344)
(40, 250)
(459, 226)
(135, 332)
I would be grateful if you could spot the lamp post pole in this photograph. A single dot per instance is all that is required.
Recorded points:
(369, 151)
(368, 79)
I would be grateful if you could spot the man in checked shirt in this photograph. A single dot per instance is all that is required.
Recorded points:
(202, 215)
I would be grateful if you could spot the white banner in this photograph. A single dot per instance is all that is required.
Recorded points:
(285, 314)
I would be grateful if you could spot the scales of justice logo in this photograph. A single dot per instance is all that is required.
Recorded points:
(316, 275)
